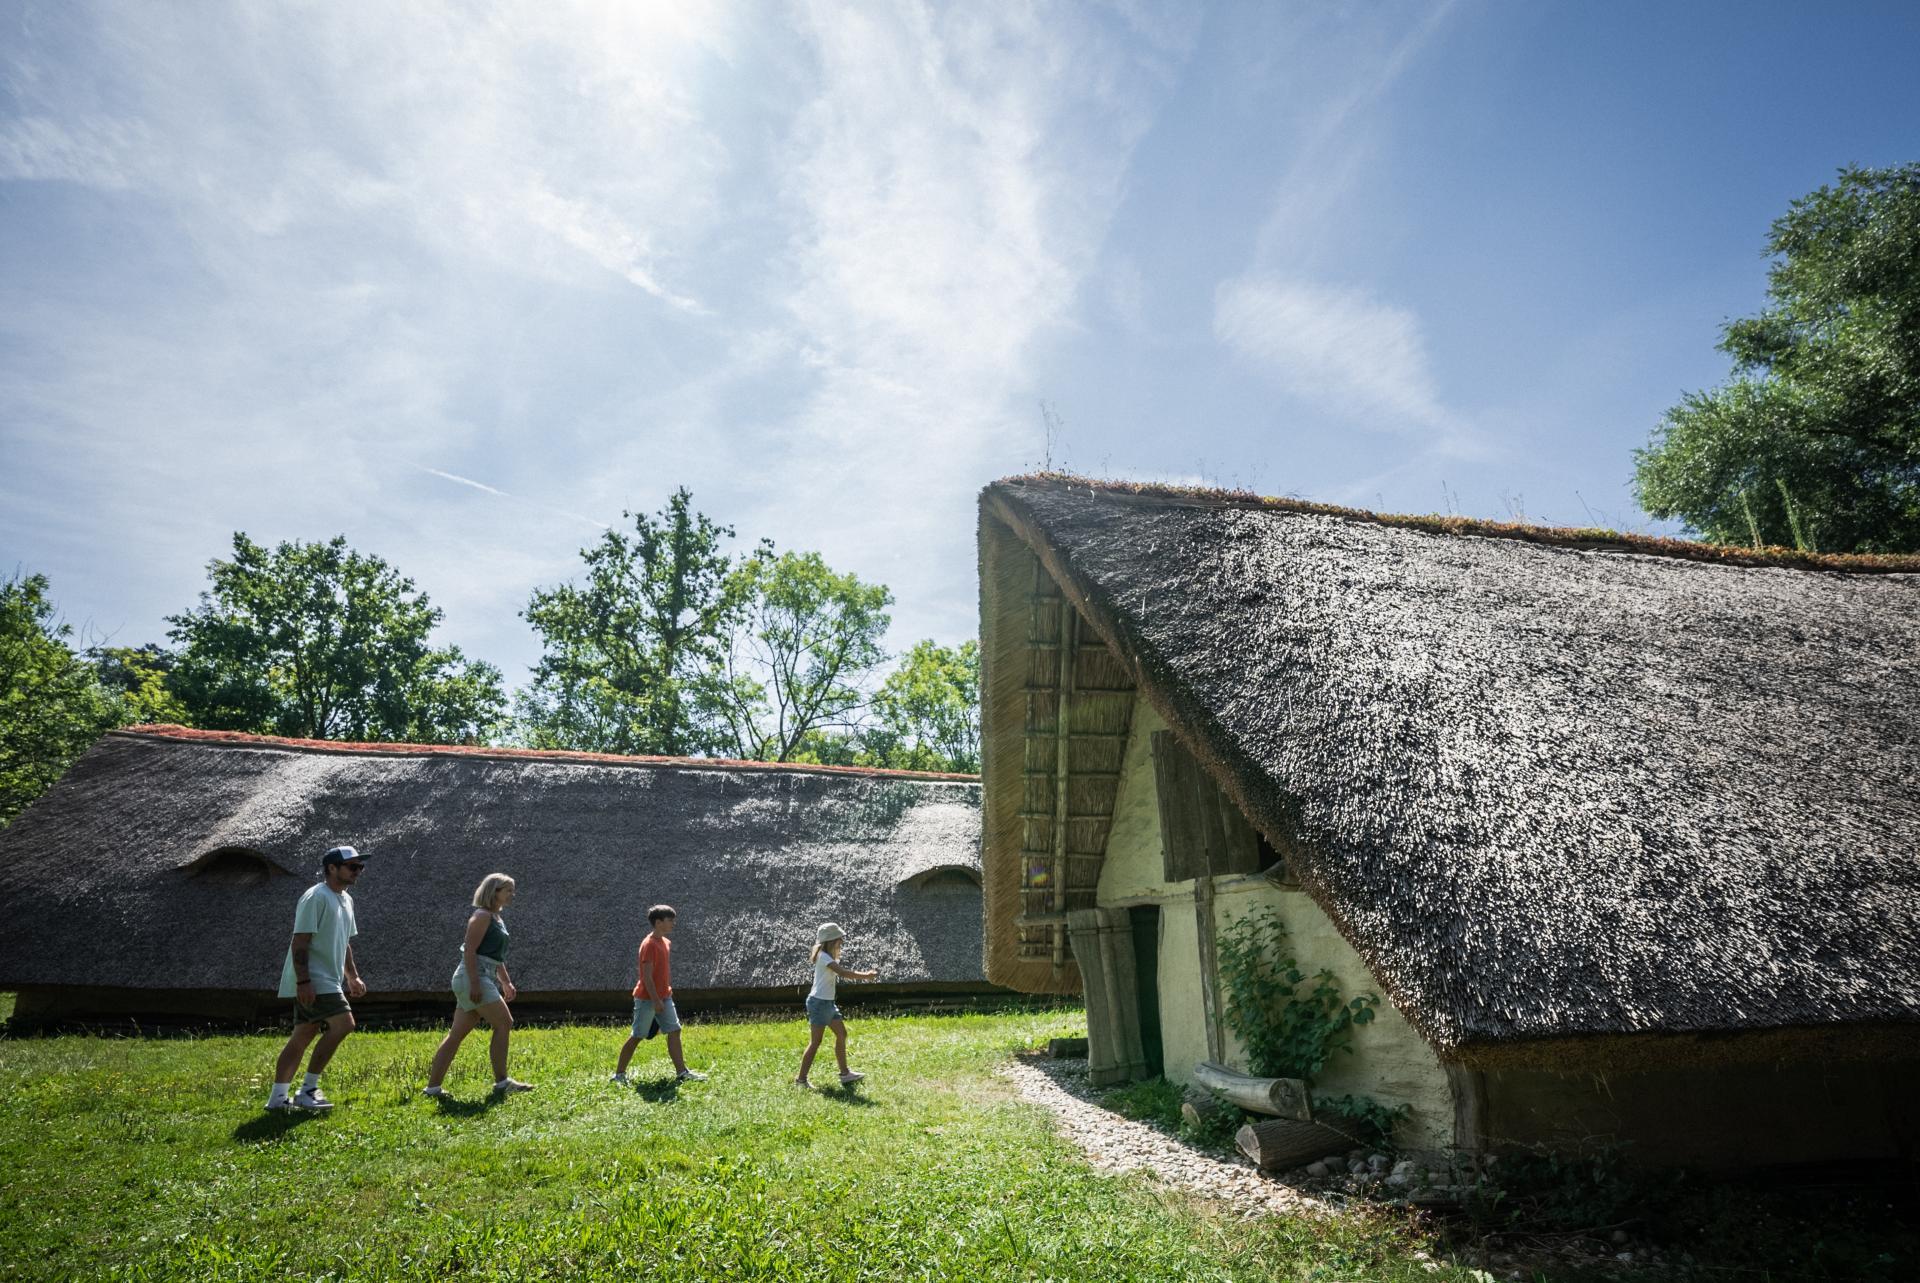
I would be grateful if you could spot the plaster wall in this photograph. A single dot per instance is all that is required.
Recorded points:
(1389, 1061)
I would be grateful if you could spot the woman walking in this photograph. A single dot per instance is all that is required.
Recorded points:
(482, 987)
(823, 1013)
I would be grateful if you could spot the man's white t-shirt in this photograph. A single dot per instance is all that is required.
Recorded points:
(328, 915)
(824, 979)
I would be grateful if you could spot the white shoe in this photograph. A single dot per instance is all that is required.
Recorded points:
(690, 1076)
(312, 1100)
(851, 1077)
(279, 1105)
(435, 1092)
(618, 1078)
(506, 1087)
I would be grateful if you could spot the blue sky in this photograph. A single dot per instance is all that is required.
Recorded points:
(463, 282)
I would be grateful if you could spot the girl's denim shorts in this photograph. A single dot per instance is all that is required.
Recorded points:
(822, 1011)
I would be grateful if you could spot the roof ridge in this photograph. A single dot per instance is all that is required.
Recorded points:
(1582, 538)
(490, 752)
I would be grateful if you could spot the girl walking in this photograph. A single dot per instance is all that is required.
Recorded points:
(823, 1013)
(482, 987)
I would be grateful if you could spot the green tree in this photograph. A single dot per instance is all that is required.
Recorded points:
(625, 653)
(927, 712)
(51, 704)
(139, 674)
(795, 671)
(318, 641)
(1815, 442)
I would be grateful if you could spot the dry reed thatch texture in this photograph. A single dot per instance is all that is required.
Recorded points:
(115, 877)
(1554, 795)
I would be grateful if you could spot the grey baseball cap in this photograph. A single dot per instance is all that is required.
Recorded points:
(341, 855)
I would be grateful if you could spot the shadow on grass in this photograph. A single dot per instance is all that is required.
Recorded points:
(453, 1107)
(661, 1091)
(848, 1094)
(271, 1126)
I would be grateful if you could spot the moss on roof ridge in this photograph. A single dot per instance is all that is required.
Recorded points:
(242, 739)
(1584, 538)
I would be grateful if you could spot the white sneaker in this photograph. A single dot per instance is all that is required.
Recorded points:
(435, 1092)
(618, 1078)
(506, 1087)
(690, 1076)
(279, 1104)
(851, 1077)
(312, 1100)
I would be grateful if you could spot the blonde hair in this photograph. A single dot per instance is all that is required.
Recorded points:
(832, 946)
(489, 890)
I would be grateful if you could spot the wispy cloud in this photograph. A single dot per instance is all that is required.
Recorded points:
(484, 488)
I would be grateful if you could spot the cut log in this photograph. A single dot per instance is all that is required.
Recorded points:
(1200, 1108)
(1281, 1097)
(1067, 1048)
(1287, 1142)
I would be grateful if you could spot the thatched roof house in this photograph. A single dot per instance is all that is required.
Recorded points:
(159, 874)
(1564, 799)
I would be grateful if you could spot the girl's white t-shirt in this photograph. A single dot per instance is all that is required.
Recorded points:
(823, 979)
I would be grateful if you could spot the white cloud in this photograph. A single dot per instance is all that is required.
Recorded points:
(1338, 348)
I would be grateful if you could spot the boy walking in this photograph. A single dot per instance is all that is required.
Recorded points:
(319, 976)
(653, 1010)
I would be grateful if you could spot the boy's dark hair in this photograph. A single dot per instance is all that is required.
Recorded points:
(660, 911)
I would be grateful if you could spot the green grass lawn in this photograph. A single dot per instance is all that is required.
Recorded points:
(139, 1159)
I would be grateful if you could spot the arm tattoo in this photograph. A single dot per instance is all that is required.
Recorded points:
(300, 963)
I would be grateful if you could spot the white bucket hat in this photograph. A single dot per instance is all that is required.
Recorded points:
(830, 931)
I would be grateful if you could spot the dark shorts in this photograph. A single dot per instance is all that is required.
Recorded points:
(325, 1007)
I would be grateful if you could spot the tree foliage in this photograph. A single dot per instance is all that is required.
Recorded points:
(627, 652)
(927, 712)
(318, 641)
(807, 641)
(1815, 442)
(51, 705)
(139, 675)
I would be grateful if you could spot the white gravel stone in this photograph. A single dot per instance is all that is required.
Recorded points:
(1115, 1144)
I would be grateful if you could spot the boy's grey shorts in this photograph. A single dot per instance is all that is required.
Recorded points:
(822, 1011)
(645, 1018)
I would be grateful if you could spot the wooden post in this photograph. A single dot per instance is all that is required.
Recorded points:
(1103, 946)
(1068, 635)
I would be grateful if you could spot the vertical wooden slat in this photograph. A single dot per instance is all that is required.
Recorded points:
(1068, 634)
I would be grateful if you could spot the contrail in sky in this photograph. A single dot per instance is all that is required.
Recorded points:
(482, 486)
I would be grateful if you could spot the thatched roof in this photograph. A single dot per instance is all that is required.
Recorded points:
(130, 871)
(1549, 784)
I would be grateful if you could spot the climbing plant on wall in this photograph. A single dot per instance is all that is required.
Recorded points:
(1290, 1022)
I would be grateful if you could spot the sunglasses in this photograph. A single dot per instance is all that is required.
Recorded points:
(354, 868)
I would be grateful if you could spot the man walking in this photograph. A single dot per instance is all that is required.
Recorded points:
(319, 976)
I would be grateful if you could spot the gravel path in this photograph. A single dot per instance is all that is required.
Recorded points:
(1115, 1144)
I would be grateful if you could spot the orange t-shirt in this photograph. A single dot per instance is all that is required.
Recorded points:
(655, 952)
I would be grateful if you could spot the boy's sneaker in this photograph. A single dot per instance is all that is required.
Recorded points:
(435, 1093)
(279, 1104)
(618, 1078)
(507, 1086)
(851, 1077)
(690, 1076)
(803, 1084)
(311, 1099)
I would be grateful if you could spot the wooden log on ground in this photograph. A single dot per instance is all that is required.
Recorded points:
(1287, 1142)
(1200, 1108)
(1281, 1097)
(1067, 1048)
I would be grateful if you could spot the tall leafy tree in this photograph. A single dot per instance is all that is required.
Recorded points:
(926, 715)
(625, 651)
(318, 641)
(1815, 441)
(800, 659)
(51, 704)
(139, 675)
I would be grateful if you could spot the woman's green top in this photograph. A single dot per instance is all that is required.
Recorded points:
(494, 945)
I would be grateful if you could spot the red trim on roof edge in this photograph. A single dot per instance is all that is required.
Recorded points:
(239, 739)
(1585, 538)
